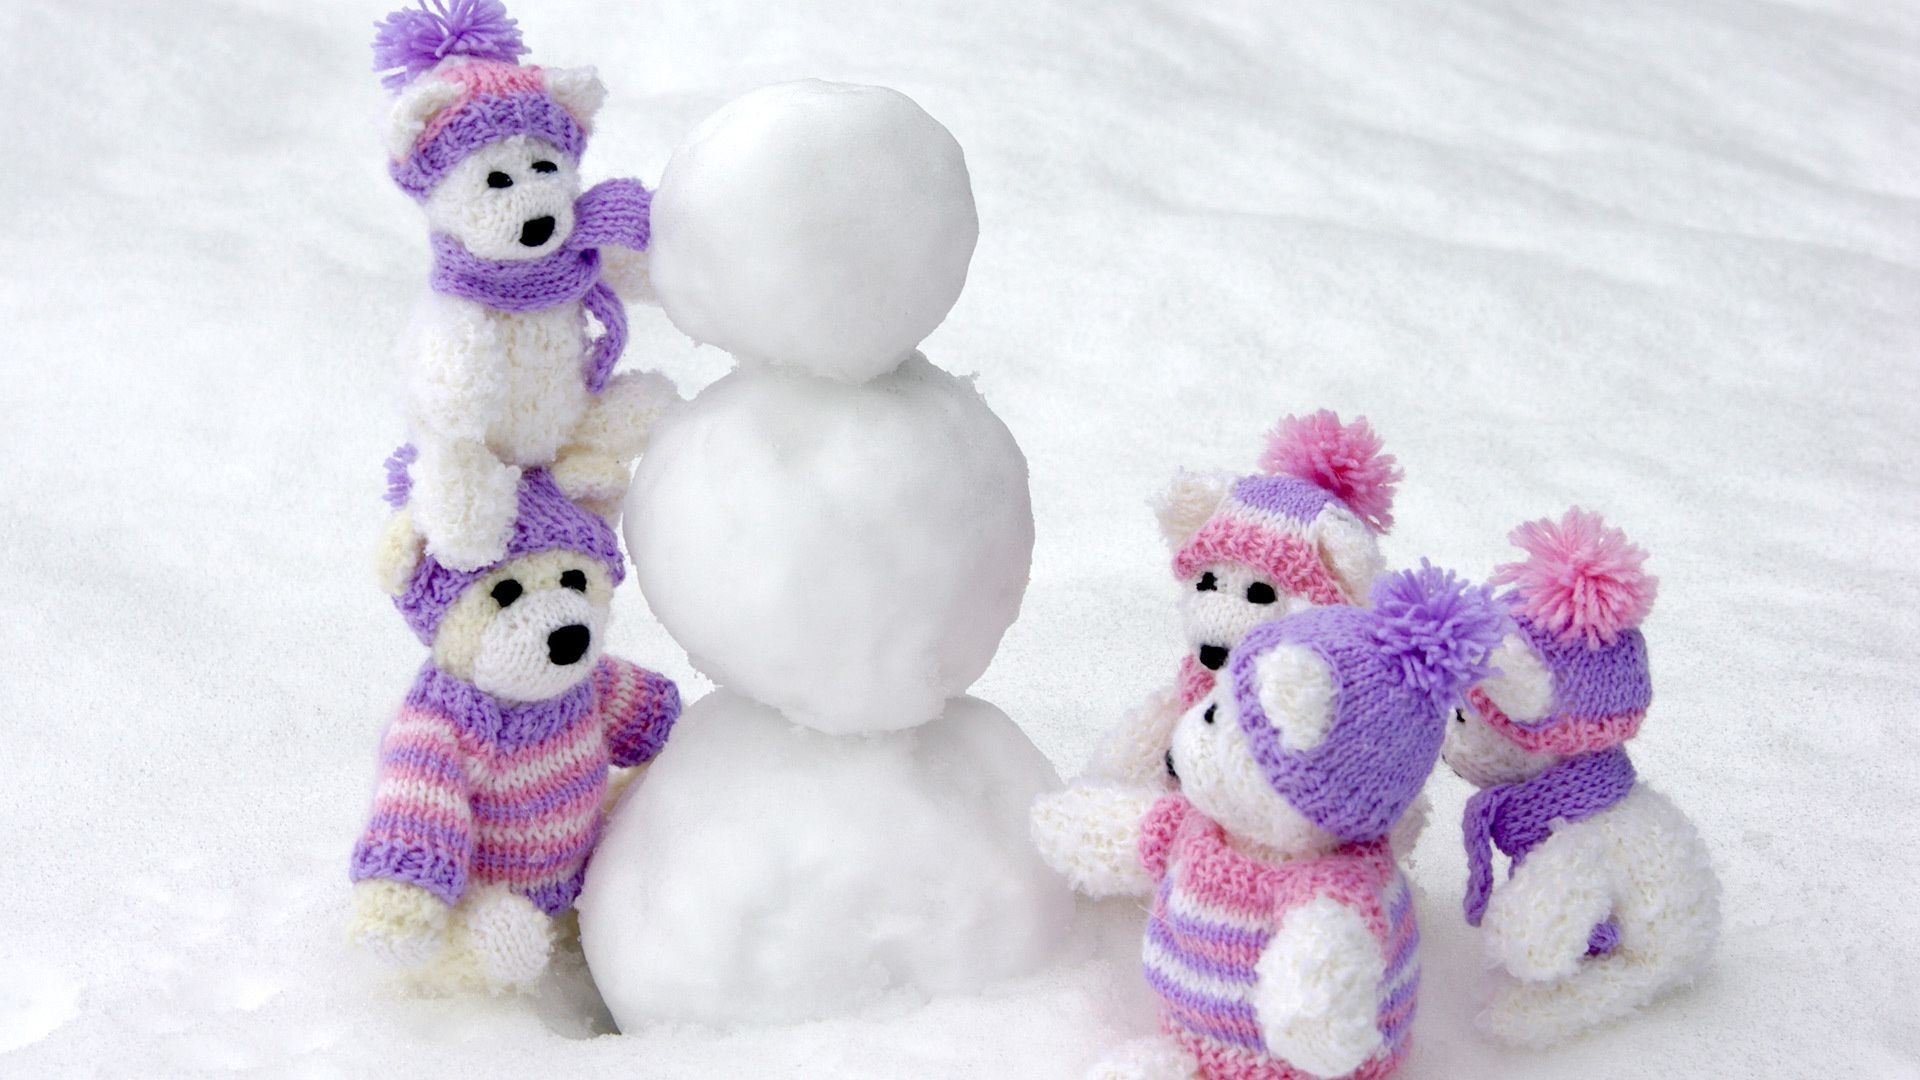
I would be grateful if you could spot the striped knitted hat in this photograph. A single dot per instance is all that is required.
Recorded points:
(455, 64)
(1578, 598)
(1397, 668)
(1311, 464)
(547, 521)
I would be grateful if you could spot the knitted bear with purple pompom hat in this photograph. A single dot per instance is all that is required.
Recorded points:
(1303, 530)
(1281, 940)
(505, 373)
(1610, 899)
(493, 775)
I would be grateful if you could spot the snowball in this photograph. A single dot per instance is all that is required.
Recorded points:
(819, 225)
(762, 872)
(849, 554)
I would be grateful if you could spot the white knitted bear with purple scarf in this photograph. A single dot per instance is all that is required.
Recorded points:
(1610, 900)
(503, 374)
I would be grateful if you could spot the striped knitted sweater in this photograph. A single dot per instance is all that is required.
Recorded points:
(1215, 912)
(475, 791)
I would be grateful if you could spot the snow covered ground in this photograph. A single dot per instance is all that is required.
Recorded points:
(1659, 259)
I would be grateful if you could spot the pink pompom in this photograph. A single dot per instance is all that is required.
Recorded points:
(1580, 578)
(1344, 460)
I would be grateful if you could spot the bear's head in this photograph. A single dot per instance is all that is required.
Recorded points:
(1570, 677)
(489, 146)
(1303, 532)
(528, 627)
(1325, 724)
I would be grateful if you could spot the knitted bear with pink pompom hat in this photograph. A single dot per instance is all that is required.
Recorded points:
(1610, 898)
(507, 369)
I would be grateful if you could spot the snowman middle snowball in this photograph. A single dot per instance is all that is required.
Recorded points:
(839, 533)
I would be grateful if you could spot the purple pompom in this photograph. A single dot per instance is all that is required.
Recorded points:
(1438, 628)
(399, 482)
(412, 40)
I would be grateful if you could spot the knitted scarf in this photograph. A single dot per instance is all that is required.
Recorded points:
(1517, 817)
(613, 212)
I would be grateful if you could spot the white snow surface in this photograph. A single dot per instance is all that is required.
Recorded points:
(849, 554)
(764, 872)
(1660, 259)
(820, 226)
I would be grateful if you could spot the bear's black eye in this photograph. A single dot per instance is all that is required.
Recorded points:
(1459, 716)
(1208, 715)
(1207, 582)
(506, 592)
(1260, 593)
(545, 167)
(497, 178)
(575, 580)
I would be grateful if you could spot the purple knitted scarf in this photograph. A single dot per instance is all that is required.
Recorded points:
(613, 212)
(1517, 817)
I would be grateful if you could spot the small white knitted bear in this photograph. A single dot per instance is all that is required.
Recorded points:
(1303, 531)
(1611, 900)
(502, 374)
(1281, 940)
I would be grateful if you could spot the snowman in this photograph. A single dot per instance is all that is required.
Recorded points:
(839, 533)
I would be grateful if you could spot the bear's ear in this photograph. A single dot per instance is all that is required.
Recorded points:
(413, 108)
(1521, 685)
(1350, 550)
(398, 553)
(1188, 502)
(1296, 693)
(579, 90)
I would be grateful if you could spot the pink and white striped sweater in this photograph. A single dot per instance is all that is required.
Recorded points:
(1215, 912)
(475, 791)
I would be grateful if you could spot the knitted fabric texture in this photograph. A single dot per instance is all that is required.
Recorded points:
(473, 791)
(612, 212)
(1215, 912)
(1393, 675)
(1517, 817)
(546, 521)
(1310, 463)
(1578, 598)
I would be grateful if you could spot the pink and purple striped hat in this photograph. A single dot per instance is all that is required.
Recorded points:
(465, 55)
(1578, 598)
(546, 521)
(1311, 464)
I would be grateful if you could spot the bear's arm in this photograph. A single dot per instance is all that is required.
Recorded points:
(638, 708)
(1539, 920)
(421, 829)
(1317, 998)
(1090, 834)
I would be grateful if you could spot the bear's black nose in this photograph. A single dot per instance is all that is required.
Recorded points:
(536, 231)
(568, 644)
(1212, 656)
(1170, 772)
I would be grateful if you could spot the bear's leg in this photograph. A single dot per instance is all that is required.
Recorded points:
(592, 468)
(463, 501)
(497, 941)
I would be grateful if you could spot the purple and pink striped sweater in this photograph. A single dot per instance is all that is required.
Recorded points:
(476, 791)
(1214, 914)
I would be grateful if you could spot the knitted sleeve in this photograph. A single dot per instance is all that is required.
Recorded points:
(421, 828)
(1157, 831)
(638, 707)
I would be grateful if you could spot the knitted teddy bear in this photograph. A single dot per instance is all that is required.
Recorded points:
(491, 779)
(1281, 940)
(1610, 899)
(502, 373)
(1305, 530)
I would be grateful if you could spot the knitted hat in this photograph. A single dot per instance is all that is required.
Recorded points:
(1578, 598)
(1397, 667)
(455, 65)
(1311, 464)
(546, 521)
